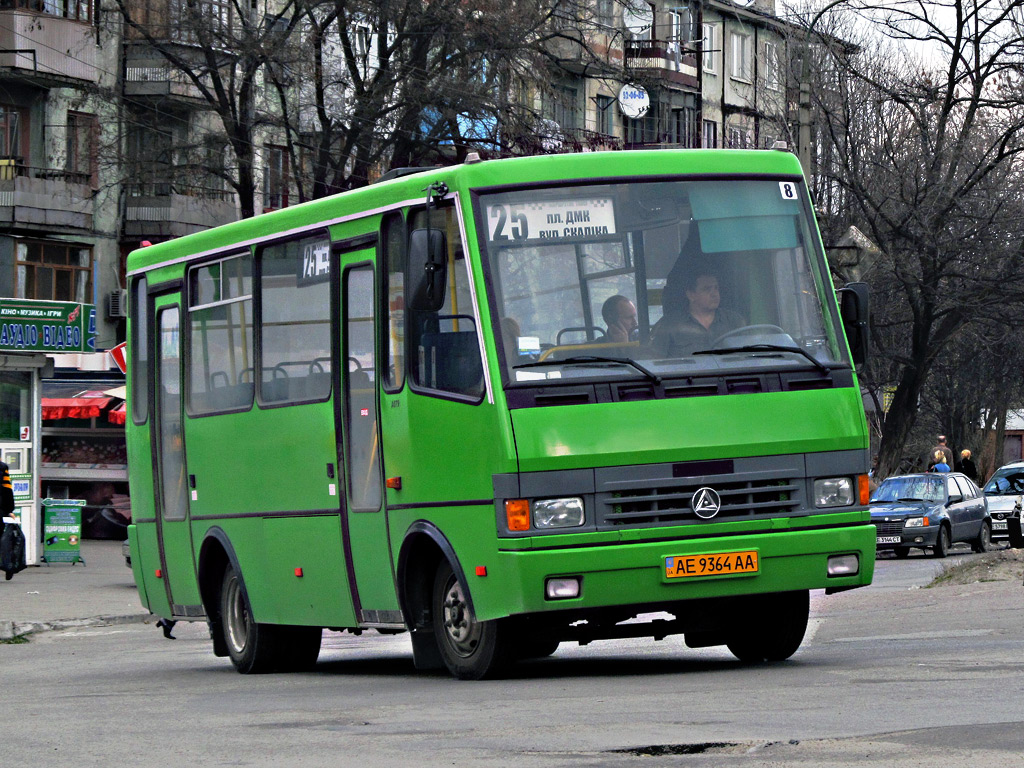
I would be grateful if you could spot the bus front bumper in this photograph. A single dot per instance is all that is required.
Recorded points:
(655, 573)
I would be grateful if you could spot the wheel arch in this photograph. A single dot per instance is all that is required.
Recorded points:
(216, 554)
(423, 548)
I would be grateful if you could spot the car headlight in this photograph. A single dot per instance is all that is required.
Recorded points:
(833, 492)
(915, 522)
(558, 513)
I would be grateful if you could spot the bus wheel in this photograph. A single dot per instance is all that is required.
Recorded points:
(299, 647)
(774, 628)
(253, 647)
(470, 649)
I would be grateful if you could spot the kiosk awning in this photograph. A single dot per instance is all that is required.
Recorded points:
(84, 406)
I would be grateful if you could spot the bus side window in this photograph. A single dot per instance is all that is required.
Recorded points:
(139, 352)
(444, 347)
(393, 246)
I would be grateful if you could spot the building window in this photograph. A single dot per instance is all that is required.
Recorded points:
(710, 134)
(12, 133)
(739, 46)
(560, 106)
(771, 66)
(53, 271)
(149, 153)
(80, 161)
(683, 126)
(708, 48)
(605, 13)
(200, 21)
(80, 10)
(605, 115)
(768, 141)
(676, 36)
(275, 178)
(738, 138)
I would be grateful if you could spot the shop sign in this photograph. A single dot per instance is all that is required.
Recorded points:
(27, 325)
(62, 530)
(22, 486)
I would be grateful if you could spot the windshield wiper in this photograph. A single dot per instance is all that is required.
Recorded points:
(909, 498)
(768, 348)
(581, 359)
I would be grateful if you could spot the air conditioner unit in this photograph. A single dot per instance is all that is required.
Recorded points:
(117, 304)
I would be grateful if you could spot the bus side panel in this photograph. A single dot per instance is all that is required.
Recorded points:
(304, 579)
(272, 466)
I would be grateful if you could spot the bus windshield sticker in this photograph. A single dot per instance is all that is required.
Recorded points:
(788, 190)
(316, 262)
(551, 219)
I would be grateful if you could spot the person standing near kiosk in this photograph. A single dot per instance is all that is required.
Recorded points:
(12, 540)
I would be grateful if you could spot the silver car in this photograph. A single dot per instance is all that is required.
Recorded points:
(1004, 491)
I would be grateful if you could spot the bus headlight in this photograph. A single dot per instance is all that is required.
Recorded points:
(833, 492)
(558, 513)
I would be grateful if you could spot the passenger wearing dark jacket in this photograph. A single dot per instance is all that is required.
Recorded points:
(966, 465)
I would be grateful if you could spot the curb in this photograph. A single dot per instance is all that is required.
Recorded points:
(11, 629)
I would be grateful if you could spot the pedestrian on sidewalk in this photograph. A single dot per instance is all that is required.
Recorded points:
(12, 540)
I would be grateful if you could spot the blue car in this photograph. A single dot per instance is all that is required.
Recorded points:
(930, 511)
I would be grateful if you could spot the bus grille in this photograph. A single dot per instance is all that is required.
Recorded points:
(888, 527)
(668, 500)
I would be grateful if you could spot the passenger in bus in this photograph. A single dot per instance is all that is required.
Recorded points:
(693, 318)
(619, 315)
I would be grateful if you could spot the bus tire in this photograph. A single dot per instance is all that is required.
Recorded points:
(471, 649)
(253, 648)
(298, 647)
(775, 627)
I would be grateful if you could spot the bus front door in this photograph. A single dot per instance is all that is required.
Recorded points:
(177, 565)
(359, 447)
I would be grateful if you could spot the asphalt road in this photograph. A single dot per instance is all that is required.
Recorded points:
(893, 675)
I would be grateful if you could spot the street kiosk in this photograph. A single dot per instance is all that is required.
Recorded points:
(30, 329)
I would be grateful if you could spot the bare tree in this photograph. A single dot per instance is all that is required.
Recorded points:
(925, 151)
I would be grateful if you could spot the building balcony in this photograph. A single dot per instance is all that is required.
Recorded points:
(147, 73)
(49, 198)
(665, 59)
(47, 46)
(162, 210)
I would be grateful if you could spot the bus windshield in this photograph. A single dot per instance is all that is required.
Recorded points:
(682, 277)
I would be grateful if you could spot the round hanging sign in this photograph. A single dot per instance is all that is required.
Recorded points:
(634, 101)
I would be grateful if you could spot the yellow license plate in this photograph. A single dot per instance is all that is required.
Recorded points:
(712, 564)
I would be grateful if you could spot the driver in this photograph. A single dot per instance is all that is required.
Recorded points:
(682, 331)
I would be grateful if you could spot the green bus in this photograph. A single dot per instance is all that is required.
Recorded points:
(502, 405)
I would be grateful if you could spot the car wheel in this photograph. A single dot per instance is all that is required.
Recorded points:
(902, 553)
(470, 649)
(942, 542)
(984, 541)
(773, 629)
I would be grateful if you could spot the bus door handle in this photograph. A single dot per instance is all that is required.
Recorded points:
(192, 482)
(330, 471)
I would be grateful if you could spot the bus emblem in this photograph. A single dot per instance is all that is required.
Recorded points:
(706, 503)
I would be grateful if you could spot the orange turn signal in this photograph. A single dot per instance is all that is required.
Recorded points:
(864, 489)
(517, 512)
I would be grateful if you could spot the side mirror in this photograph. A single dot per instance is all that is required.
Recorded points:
(955, 498)
(428, 269)
(854, 309)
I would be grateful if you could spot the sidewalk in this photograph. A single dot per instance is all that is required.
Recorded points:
(60, 595)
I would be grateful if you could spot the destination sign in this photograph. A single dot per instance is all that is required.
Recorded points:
(316, 262)
(551, 220)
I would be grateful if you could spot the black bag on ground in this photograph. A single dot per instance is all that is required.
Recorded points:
(12, 549)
